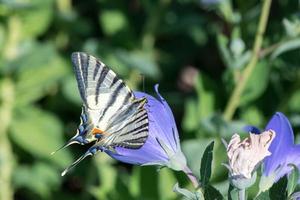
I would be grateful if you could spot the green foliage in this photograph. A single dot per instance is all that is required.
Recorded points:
(188, 195)
(263, 196)
(292, 180)
(206, 161)
(286, 46)
(44, 177)
(112, 21)
(259, 75)
(278, 190)
(211, 193)
(195, 50)
(39, 133)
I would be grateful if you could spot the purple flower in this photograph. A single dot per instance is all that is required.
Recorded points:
(283, 151)
(162, 146)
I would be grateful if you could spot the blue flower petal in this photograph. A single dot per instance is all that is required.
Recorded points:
(281, 145)
(252, 129)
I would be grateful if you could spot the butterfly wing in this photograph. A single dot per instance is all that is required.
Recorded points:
(109, 103)
(132, 131)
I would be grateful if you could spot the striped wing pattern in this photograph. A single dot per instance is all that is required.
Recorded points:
(129, 133)
(110, 104)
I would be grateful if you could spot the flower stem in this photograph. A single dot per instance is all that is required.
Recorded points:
(237, 92)
(191, 176)
(242, 194)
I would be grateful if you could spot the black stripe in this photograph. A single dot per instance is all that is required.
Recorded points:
(135, 141)
(132, 121)
(97, 67)
(124, 114)
(140, 131)
(84, 67)
(136, 129)
(146, 117)
(129, 109)
(100, 81)
(112, 100)
(80, 83)
(137, 119)
(114, 81)
(126, 99)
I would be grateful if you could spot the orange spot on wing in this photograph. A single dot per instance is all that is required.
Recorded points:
(97, 131)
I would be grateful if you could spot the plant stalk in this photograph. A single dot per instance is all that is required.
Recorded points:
(234, 99)
(191, 176)
(242, 194)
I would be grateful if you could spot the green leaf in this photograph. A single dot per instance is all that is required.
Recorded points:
(2, 38)
(141, 61)
(286, 46)
(192, 149)
(35, 10)
(253, 115)
(40, 178)
(165, 183)
(292, 27)
(293, 179)
(149, 181)
(186, 193)
(211, 193)
(206, 97)
(37, 73)
(105, 172)
(112, 21)
(39, 133)
(259, 75)
(225, 53)
(191, 120)
(206, 162)
(70, 89)
(293, 102)
(263, 196)
(278, 190)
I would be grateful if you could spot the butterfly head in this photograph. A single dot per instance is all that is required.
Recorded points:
(87, 132)
(84, 133)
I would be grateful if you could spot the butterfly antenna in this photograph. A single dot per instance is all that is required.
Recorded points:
(76, 162)
(64, 146)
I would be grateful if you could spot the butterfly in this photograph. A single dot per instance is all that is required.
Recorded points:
(111, 115)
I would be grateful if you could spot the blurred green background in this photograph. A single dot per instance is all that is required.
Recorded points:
(195, 50)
